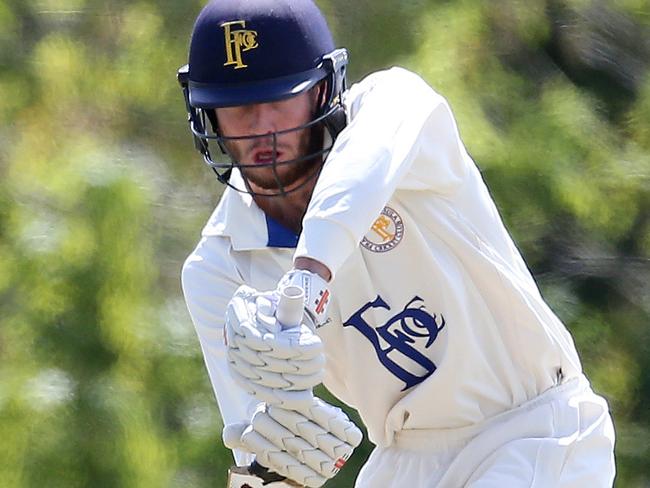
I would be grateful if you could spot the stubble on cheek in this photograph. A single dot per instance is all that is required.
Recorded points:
(235, 150)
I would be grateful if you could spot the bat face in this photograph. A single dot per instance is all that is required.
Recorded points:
(240, 477)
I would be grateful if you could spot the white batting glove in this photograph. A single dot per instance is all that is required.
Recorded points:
(308, 446)
(277, 366)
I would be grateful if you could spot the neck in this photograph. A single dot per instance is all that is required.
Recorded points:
(288, 209)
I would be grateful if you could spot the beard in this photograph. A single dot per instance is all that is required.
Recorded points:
(284, 175)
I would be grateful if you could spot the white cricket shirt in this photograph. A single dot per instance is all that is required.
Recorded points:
(436, 322)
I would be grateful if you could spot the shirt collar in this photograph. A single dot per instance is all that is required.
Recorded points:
(238, 217)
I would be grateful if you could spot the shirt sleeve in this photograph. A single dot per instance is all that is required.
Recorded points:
(401, 135)
(209, 280)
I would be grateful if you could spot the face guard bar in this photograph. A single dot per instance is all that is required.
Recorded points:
(204, 129)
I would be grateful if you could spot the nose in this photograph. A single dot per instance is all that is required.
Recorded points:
(263, 118)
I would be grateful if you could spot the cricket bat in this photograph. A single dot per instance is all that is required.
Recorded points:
(289, 314)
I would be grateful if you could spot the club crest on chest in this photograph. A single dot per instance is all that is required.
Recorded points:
(385, 233)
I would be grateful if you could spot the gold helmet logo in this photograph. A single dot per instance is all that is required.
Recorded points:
(238, 41)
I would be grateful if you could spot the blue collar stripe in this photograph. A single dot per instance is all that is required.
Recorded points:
(279, 235)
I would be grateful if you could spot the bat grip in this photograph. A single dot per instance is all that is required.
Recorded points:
(290, 306)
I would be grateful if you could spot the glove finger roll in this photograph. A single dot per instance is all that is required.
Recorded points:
(287, 398)
(246, 384)
(274, 396)
(280, 381)
(303, 381)
(333, 420)
(255, 338)
(231, 435)
(272, 380)
(282, 462)
(299, 448)
(287, 346)
(304, 475)
(243, 368)
(245, 353)
(236, 313)
(296, 366)
(294, 399)
(279, 435)
(317, 437)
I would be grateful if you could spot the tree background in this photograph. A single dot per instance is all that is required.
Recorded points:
(102, 197)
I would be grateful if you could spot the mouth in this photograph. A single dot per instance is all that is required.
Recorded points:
(266, 156)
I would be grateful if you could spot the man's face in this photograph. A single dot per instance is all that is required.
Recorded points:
(267, 118)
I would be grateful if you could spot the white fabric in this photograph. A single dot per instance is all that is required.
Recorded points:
(401, 135)
(435, 320)
(562, 439)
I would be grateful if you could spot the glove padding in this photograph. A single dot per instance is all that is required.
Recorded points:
(308, 446)
(277, 366)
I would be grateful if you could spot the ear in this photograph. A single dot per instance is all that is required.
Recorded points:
(212, 117)
(320, 95)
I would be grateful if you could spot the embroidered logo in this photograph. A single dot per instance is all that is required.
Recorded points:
(400, 342)
(237, 42)
(386, 232)
(321, 301)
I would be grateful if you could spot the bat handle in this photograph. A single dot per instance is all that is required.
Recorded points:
(290, 306)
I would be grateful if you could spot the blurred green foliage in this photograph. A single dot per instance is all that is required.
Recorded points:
(102, 197)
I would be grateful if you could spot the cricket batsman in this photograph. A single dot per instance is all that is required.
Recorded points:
(357, 245)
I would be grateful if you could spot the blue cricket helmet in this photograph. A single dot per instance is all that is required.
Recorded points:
(256, 51)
